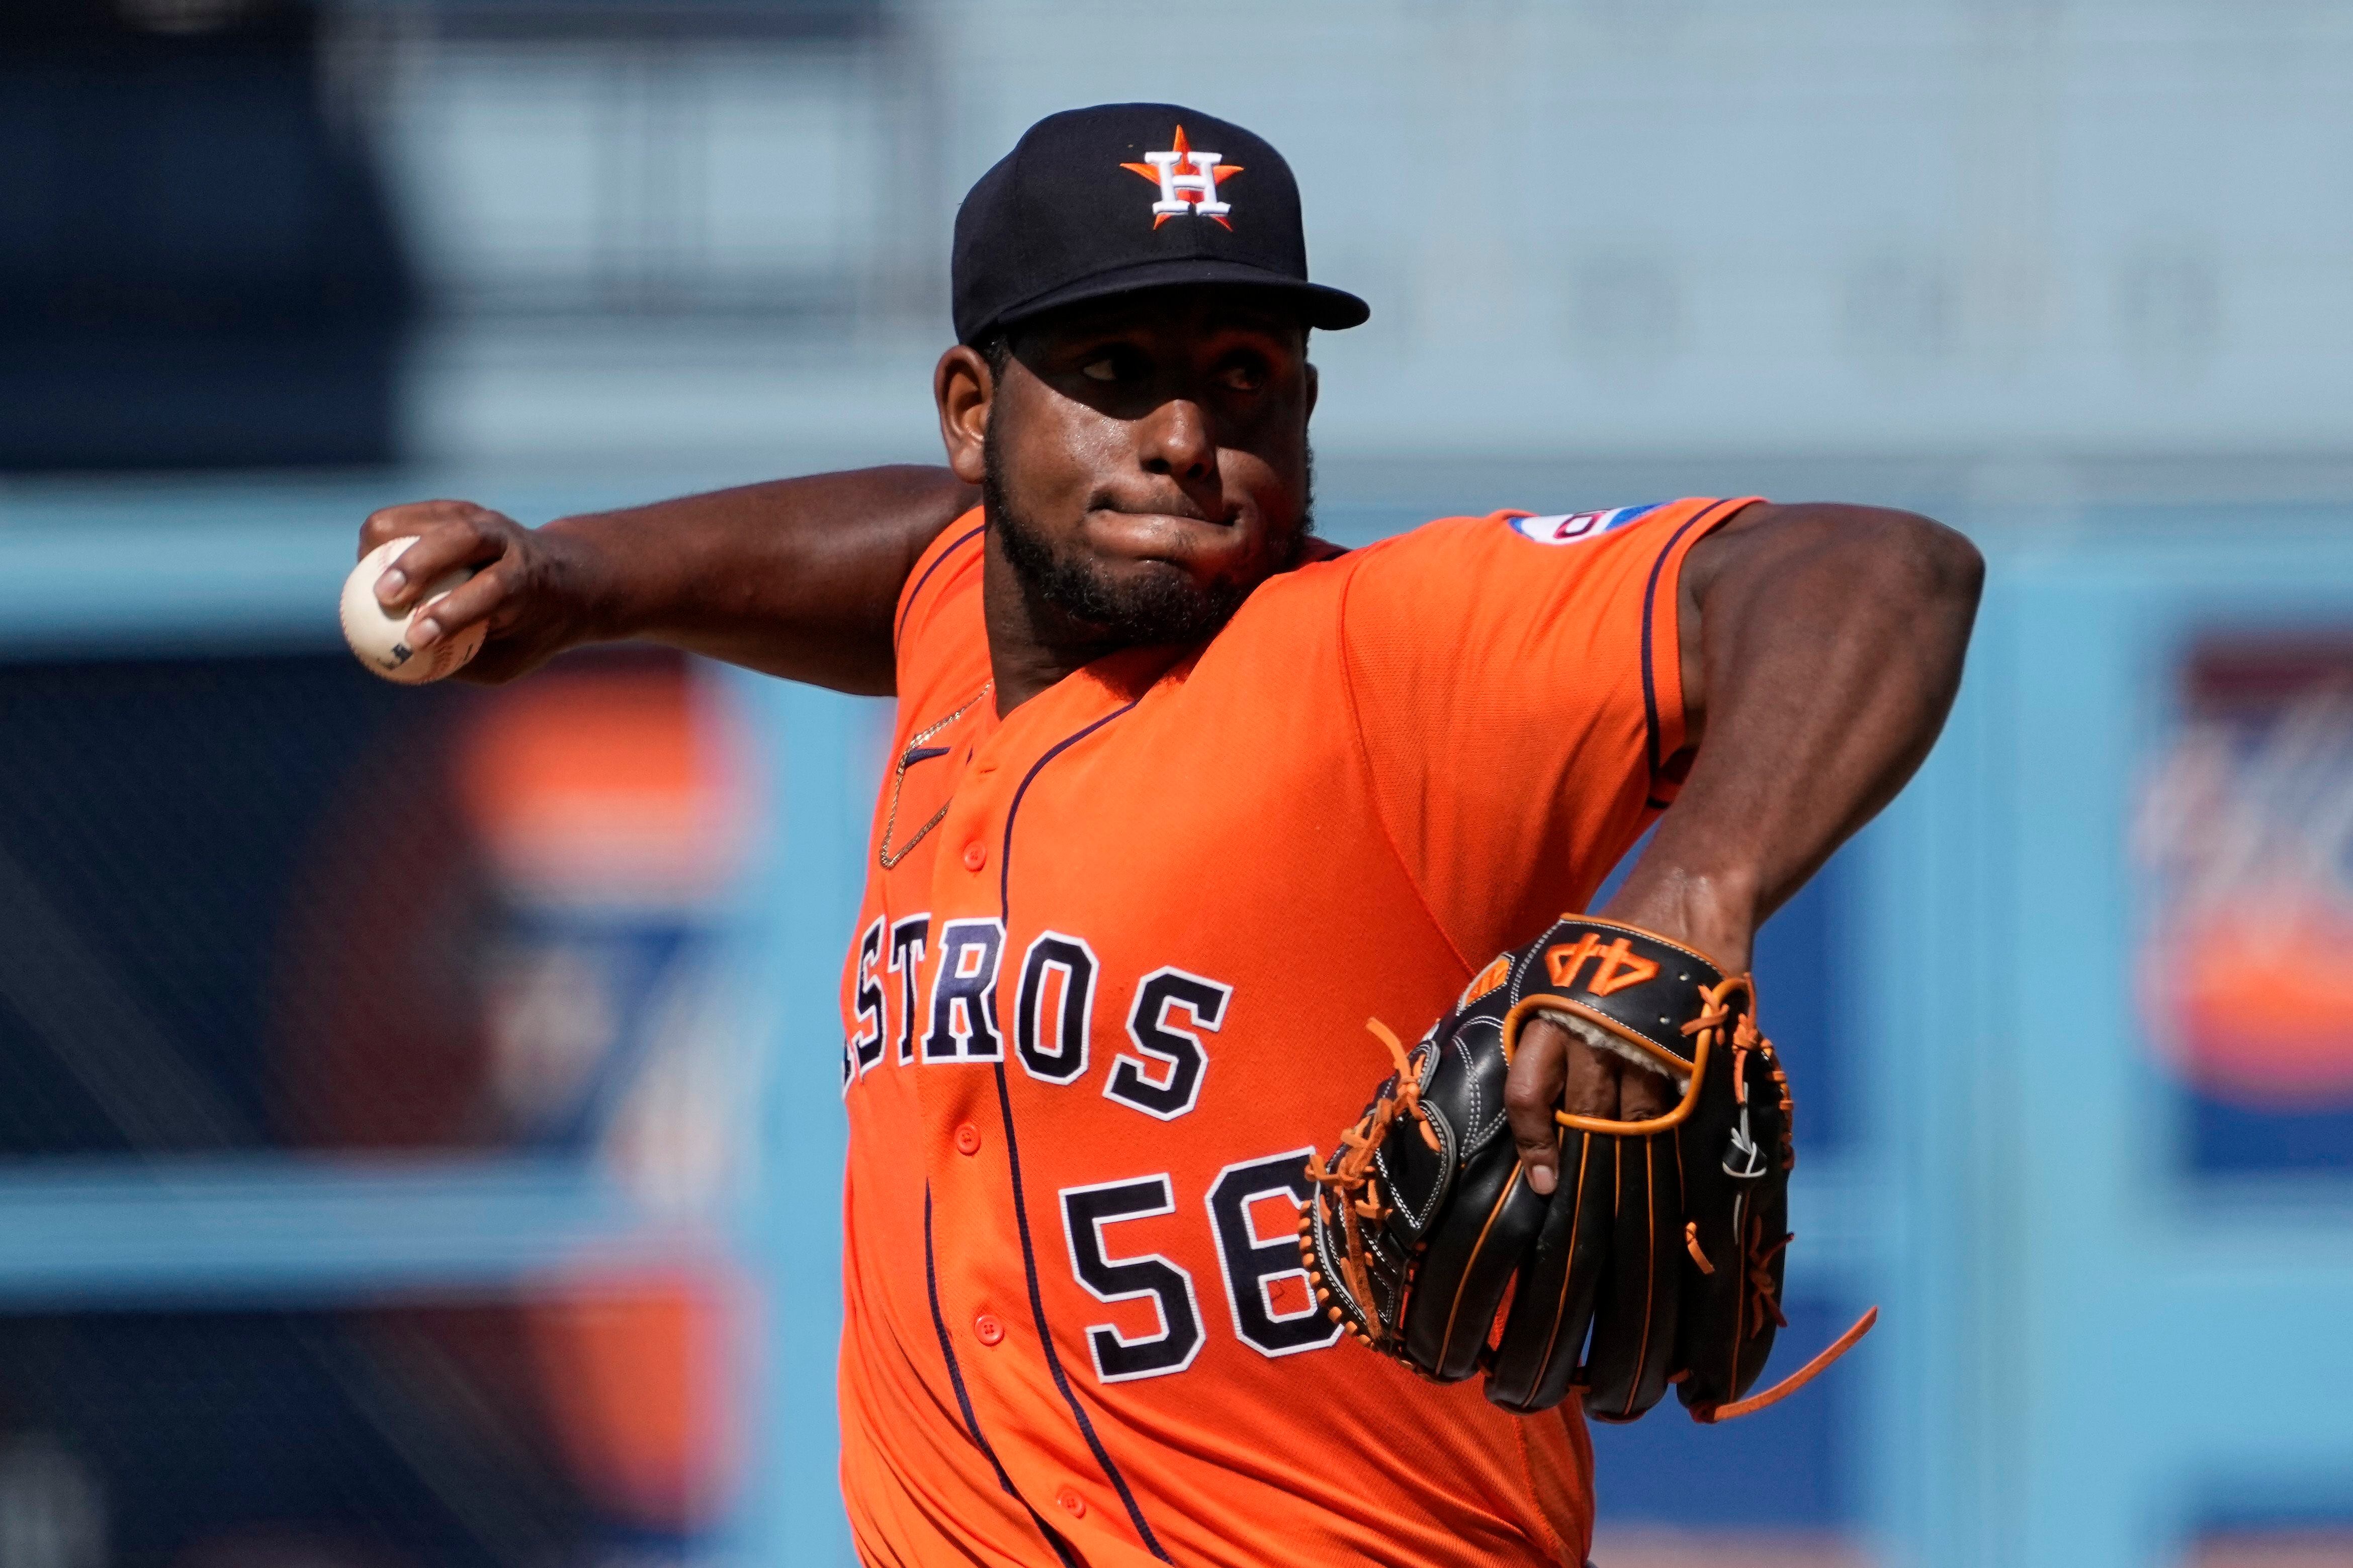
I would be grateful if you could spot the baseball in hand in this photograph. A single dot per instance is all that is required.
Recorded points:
(380, 639)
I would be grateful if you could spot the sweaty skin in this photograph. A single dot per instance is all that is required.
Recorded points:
(1153, 449)
(1164, 449)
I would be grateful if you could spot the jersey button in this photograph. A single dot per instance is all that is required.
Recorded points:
(974, 856)
(986, 1329)
(967, 1139)
(1070, 1503)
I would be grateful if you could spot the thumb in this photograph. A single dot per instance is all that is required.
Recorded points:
(1531, 1092)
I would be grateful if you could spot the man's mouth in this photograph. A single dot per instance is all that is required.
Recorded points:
(1182, 539)
(1176, 521)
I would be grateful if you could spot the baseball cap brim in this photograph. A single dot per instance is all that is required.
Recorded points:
(1326, 308)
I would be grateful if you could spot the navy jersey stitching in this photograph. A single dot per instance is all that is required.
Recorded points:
(899, 631)
(963, 1401)
(1649, 686)
(1013, 1159)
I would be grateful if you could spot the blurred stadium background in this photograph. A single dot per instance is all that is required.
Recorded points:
(411, 1103)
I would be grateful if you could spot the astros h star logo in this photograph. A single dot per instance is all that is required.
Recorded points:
(1188, 182)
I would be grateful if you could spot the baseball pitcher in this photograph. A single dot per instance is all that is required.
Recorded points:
(1226, 996)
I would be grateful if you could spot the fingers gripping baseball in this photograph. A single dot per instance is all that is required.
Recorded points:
(1552, 1070)
(449, 533)
(522, 592)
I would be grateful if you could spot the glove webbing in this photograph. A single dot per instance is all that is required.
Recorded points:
(1353, 1177)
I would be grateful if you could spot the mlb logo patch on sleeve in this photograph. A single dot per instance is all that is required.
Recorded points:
(1576, 527)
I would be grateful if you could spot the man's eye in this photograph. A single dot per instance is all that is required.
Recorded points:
(1106, 368)
(1245, 374)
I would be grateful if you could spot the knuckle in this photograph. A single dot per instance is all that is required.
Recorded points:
(1593, 1100)
(432, 518)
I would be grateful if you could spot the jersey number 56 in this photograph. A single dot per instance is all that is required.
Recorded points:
(1274, 1312)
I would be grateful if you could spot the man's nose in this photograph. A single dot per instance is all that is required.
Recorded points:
(1176, 442)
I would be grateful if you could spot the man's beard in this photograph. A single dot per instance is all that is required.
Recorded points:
(1166, 606)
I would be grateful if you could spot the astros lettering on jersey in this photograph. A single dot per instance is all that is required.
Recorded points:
(1110, 986)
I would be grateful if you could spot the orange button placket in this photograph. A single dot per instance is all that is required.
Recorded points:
(959, 1103)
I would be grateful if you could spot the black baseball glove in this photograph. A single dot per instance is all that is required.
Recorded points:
(1657, 1258)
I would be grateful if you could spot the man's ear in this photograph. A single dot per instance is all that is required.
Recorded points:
(1315, 384)
(963, 388)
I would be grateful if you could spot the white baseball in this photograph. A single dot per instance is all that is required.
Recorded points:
(381, 640)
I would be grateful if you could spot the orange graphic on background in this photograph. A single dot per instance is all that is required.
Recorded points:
(604, 779)
(1184, 162)
(635, 1374)
(2245, 976)
(2260, 995)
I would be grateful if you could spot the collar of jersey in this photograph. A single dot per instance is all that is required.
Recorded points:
(1084, 695)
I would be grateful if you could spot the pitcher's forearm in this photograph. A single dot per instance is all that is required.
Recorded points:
(794, 577)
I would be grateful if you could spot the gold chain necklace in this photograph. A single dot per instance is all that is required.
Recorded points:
(886, 854)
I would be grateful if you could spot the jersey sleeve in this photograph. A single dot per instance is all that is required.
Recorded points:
(1517, 688)
(946, 562)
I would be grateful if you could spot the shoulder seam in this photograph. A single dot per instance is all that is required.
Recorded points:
(1372, 781)
(1651, 725)
(907, 609)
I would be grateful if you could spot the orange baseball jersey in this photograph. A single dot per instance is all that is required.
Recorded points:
(1108, 998)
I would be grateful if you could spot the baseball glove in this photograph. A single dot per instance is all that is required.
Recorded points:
(1657, 1260)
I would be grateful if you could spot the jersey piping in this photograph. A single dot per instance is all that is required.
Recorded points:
(1013, 1160)
(1656, 738)
(963, 1401)
(915, 589)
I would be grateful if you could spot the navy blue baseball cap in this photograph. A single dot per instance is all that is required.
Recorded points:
(1122, 197)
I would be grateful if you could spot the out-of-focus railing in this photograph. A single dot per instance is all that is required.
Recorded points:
(741, 161)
